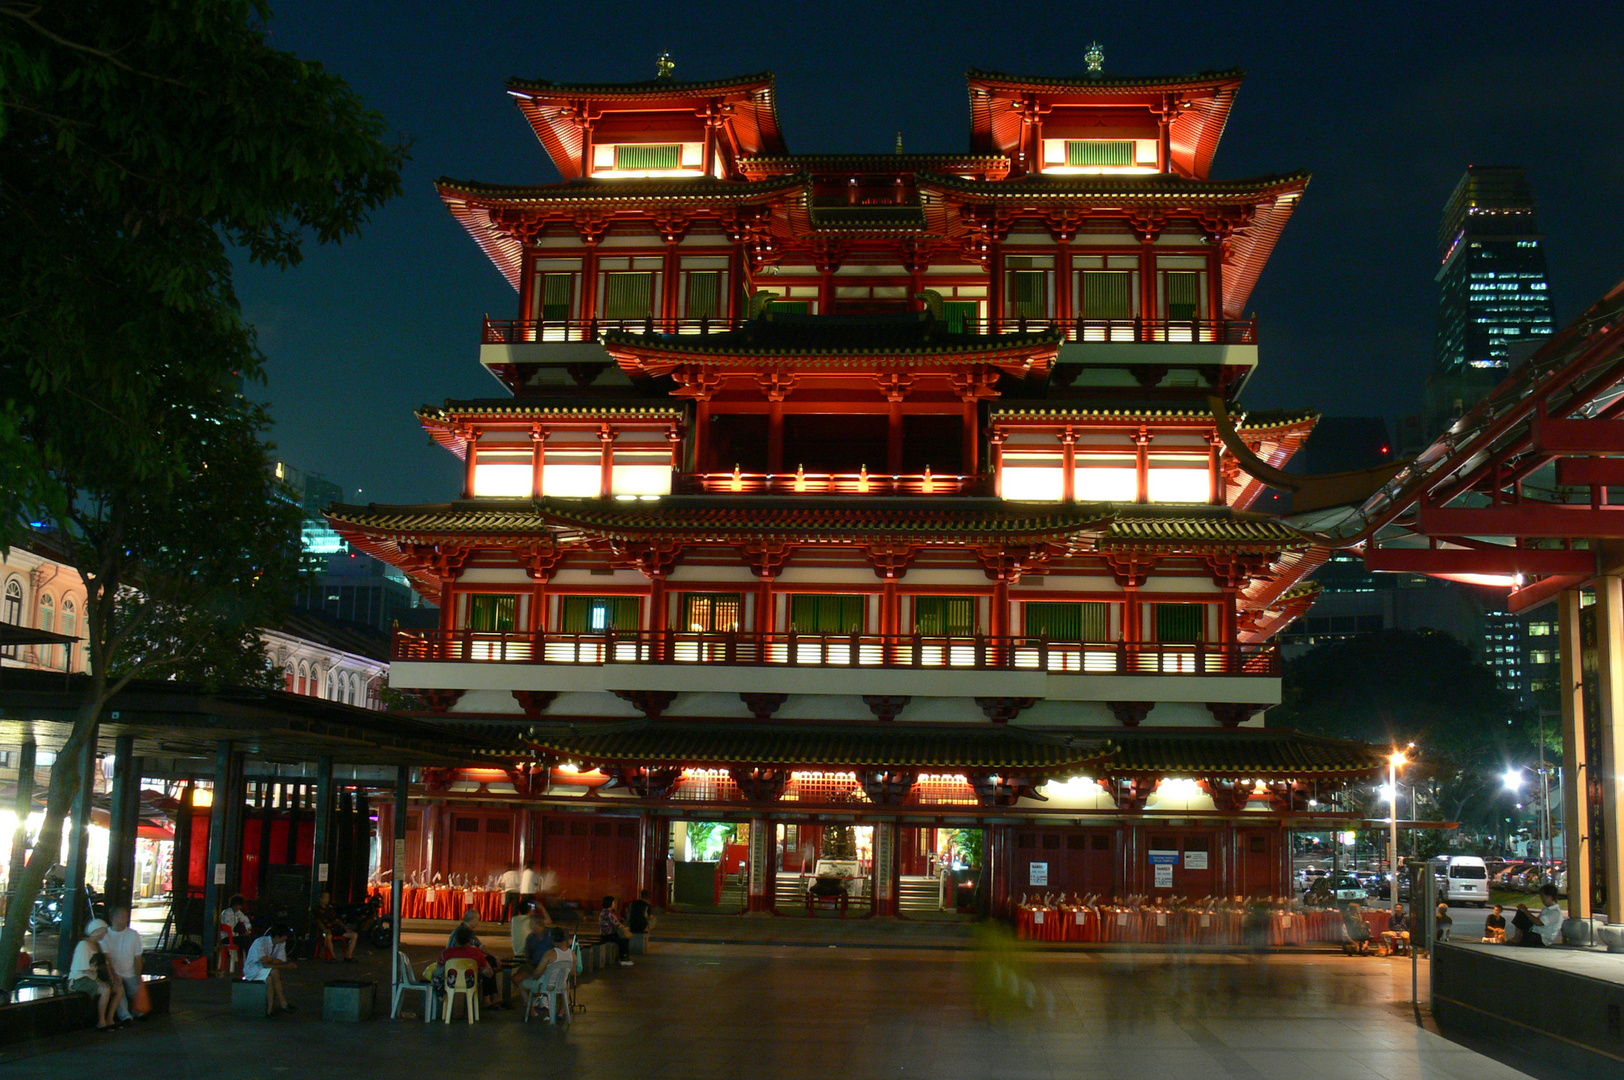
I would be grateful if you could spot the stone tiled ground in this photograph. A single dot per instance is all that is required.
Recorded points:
(778, 998)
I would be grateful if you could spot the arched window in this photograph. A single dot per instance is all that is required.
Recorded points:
(70, 627)
(350, 690)
(303, 686)
(47, 623)
(287, 674)
(12, 610)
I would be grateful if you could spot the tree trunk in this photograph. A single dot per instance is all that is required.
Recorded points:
(64, 786)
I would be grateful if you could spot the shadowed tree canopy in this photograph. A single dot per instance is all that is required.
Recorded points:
(142, 144)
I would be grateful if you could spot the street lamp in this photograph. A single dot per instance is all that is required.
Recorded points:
(1394, 760)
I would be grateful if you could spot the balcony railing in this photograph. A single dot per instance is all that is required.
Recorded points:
(515, 331)
(1216, 331)
(857, 483)
(977, 653)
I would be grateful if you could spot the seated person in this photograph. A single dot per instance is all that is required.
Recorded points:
(462, 947)
(640, 914)
(543, 948)
(1528, 926)
(470, 919)
(1444, 922)
(265, 961)
(325, 921)
(1353, 919)
(234, 916)
(1550, 916)
(1494, 927)
(520, 929)
(610, 928)
(1396, 938)
(89, 974)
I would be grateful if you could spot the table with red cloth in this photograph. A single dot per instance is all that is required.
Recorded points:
(442, 902)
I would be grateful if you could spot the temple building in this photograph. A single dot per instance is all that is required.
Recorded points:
(894, 494)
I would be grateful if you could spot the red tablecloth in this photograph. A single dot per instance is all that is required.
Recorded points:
(1161, 926)
(440, 902)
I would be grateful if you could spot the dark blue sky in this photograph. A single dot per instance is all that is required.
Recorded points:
(1385, 104)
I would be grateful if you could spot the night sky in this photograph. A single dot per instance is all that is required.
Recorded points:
(1385, 104)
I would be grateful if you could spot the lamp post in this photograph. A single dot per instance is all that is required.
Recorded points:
(1394, 760)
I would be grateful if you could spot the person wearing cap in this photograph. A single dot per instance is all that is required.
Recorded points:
(89, 975)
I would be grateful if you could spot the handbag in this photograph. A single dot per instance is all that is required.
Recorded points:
(143, 1000)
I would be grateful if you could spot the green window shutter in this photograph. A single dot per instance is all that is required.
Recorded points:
(641, 156)
(1183, 296)
(792, 307)
(623, 612)
(628, 296)
(945, 616)
(575, 617)
(1181, 624)
(1028, 296)
(704, 295)
(490, 613)
(959, 313)
(1107, 294)
(1096, 622)
(599, 614)
(556, 290)
(1069, 621)
(1097, 152)
(814, 614)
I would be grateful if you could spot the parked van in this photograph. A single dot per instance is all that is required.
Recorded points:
(1463, 879)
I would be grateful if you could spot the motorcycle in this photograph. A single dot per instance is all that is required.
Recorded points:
(367, 920)
(47, 913)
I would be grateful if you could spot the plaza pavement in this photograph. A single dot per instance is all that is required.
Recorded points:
(767, 998)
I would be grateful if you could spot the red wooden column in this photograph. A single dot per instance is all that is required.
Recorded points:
(1141, 465)
(761, 875)
(669, 277)
(995, 292)
(997, 870)
(1215, 473)
(538, 459)
(606, 440)
(886, 883)
(1147, 282)
(1068, 462)
(894, 437)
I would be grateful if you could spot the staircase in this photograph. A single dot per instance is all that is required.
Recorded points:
(919, 894)
(733, 893)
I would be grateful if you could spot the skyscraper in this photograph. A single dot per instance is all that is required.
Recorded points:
(1494, 297)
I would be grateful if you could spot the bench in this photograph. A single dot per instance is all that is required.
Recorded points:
(840, 901)
(248, 998)
(640, 942)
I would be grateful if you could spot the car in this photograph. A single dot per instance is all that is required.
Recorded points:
(1345, 889)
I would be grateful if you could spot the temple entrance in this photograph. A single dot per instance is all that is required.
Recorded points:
(710, 866)
(823, 869)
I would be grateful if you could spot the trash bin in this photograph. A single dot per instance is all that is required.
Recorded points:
(349, 999)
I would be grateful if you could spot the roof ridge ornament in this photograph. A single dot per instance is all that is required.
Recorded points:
(1095, 59)
(663, 66)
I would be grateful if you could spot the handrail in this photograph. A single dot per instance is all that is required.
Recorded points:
(884, 651)
(1218, 331)
(517, 331)
(854, 483)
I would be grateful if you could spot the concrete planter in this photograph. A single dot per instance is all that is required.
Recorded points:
(349, 1000)
(1612, 936)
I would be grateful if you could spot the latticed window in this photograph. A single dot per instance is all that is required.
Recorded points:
(711, 613)
(1183, 295)
(1107, 294)
(12, 613)
(833, 614)
(704, 299)
(642, 157)
(1069, 621)
(1181, 623)
(628, 296)
(556, 295)
(492, 613)
(598, 614)
(959, 315)
(945, 616)
(1099, 152)
(1028, 294)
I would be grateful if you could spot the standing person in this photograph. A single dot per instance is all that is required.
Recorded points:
(511, 882)
(265, 961)
(123, 948)
(89, 974)
(1550, 916)
(328, 924)
(1494, 927)
(530, 885)
(610, 928)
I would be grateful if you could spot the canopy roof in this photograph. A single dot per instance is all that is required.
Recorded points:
(1201, 105)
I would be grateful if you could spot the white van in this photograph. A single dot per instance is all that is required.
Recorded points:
(1463, 879)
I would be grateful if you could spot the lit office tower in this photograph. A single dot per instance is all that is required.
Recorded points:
(1494, 295)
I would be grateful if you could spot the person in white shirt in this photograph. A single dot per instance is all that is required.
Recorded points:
(88, 974)
(1550, 916)
(264, 962)
(123, 948)
(510, 882)
(242, 927)
(530, 883)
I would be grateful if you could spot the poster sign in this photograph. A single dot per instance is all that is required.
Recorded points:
(321, 872)
(1164, 858)
(400, 857)
(1164, 875)
(1195, 860)
(219, 873)
(1037, 873)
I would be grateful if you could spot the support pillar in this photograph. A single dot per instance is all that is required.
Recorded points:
(760, 894)
(180, 863)
(397, 878)
(321, 858)
(886, 884)
(75, 911)
(23, 807)
(1610, 672)
(361, 852)
(126, 813)
(235, 795)
(1575, 759)
(214, 871)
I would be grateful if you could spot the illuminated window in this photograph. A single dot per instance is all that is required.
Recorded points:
(598, 614)
(1107, 478)
(503, 472)
(1178, 483)
(945, 616)
(47, 622)
(572, 474)
(960, 315)
(492, 613)
(1539, 656)
(711, 613)
(1540, 629)
(1100, 152)
(1033, 476)
(648, 157)
(1068, 622)
(641, 471)
(13, 611)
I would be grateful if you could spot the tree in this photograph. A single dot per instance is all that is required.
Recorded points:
(142, 142)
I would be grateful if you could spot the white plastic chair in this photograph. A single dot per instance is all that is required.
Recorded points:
(409, 982)
(462, 977)
(554, 989)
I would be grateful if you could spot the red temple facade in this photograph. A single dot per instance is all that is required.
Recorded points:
(881, 492)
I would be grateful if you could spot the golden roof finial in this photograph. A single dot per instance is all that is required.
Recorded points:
(899, 142)
(1094, 58)
(664, 65)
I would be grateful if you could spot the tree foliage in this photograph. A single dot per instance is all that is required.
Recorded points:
(142, 143)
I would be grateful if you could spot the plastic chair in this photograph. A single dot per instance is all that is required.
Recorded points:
(410, 983)
(228, 954)
(462, 977)
(554, 989)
